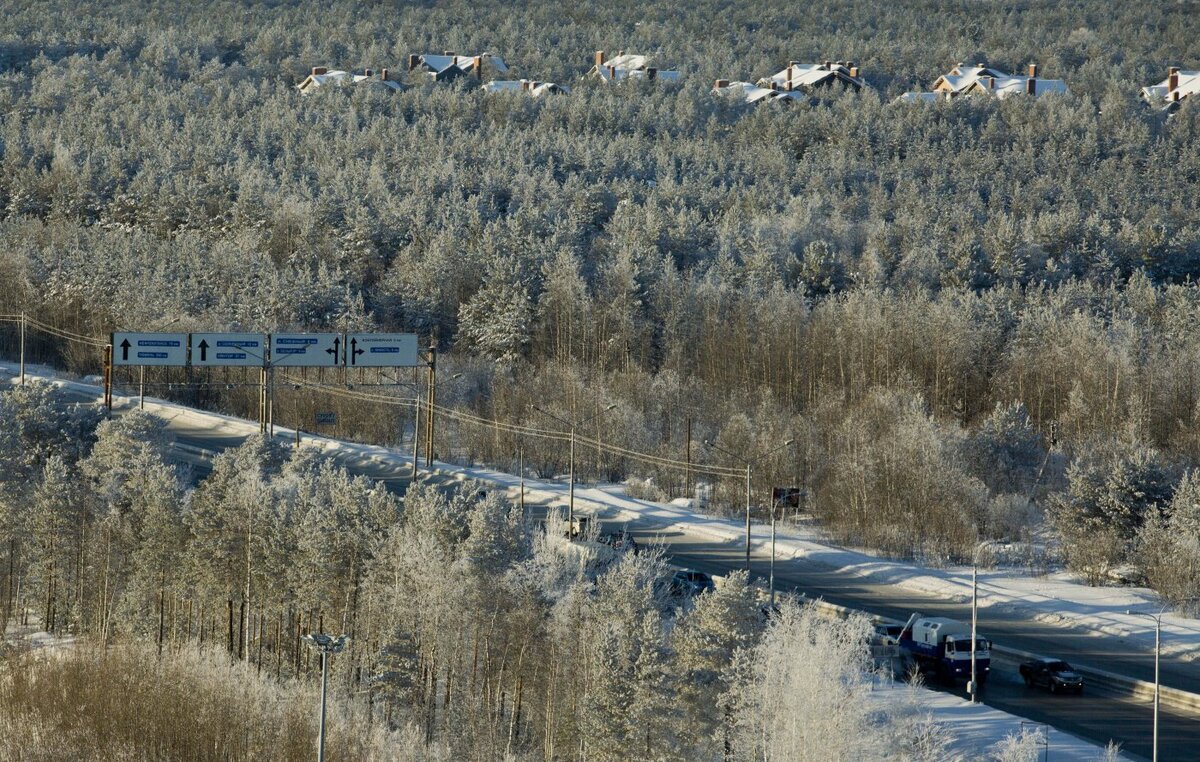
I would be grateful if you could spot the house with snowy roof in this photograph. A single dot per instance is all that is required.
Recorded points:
(809, 77)
(449, 66)
(321, 76)
(530, 87)
(1179, 85)
(628, 66)
(987, 81)
(748, 92)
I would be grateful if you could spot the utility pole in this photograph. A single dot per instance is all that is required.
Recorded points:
(687, 473)
(432, 402)
(262, 400)
(22, 349)
(747, 517)
(417, 434)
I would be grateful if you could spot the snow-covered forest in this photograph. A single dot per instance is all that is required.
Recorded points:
(473, 635)
(975, 312)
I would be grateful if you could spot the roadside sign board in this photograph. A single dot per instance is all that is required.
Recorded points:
(326, 419)
(381, 350)
(150, 349)
(306, 350)
(229, 349)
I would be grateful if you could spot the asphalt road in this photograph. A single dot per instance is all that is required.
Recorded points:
(1095, 716)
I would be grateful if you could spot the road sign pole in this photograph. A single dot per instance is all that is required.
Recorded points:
(271, 401)
(262, 400)
(108, 371)
(22, 349)
(141, 387)
(417, 413)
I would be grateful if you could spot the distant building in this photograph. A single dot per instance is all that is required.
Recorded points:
(809, 77)
(531, 87)
(322, 77)
(628, 66)
(752, 93)
(449, 66)
(1179, 85)
(986, 81)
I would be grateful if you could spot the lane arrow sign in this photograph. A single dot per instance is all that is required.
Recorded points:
(336, 343)
(125, 345)
(355, 351)
(203, 350)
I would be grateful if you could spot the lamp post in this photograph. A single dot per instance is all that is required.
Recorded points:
(571, 469)
(748, 463)
(973, 686)
(1157, 648)
(326, 644)
(774, 508)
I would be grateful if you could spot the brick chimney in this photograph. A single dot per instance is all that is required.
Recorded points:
(720, 83)
(1172, 78)
(368, 72)
(524, 84)
(854, 72)
(319, 70)
(413, 60)
(477, 67)
(1033, 71)
(827, 64)
(1031, 85)
(788, 86)
(448, 53)
(383, 74)
(599, 58)
(991, 83)
(651, 72)
(612, 73)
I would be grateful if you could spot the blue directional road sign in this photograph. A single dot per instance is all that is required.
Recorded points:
(229, 349)
(306, 350)
(381, 350)
(149, 349)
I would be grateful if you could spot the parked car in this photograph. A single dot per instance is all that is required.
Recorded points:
(1055, 675)
(688, 583)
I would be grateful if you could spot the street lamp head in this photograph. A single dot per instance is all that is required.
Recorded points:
(611, 407)
(456, 375)
(789, 442)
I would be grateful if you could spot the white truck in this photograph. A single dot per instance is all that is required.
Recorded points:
(943, 646)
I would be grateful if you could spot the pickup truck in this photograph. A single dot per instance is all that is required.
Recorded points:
(1055, 675)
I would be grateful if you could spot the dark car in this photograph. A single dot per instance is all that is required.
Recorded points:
(619, 540)
(1055, 675)
(687, 583)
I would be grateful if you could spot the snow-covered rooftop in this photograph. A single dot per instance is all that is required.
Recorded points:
(752, 93)
(1178, 85)
(804, 76)
(629, 66)
(321, 77)
(985, 80)
(534, 88)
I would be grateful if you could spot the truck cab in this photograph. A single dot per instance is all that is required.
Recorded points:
(943, 645)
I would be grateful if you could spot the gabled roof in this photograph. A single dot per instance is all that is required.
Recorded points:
(534, 88)
(447, 66)
(986, 80)
(629, 66)
(807, 76)
(322, 77)
(1186, 84)
(751, 93)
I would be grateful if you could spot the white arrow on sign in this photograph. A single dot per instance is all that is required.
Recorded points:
(229, 349)
(308, 350)
(150, 349)
(381, 350)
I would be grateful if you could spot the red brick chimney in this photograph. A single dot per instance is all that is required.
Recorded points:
(854, 72)
(368, 72)
(1031, 86)
(599, 58)
(720, 83)
(1033, 71)
(477, 67)
(319, 70)
(384, 75)
(1172, 78)
(413, 60)
(788, 86)
(991, 83)
(612, 73)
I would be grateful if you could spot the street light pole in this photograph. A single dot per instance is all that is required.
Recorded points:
(327, 645)
(973, 688)
(573, 424)
(749, 462)
(1157, 647)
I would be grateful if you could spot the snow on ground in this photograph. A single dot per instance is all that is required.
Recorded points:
(977, 728)
(1054, 598)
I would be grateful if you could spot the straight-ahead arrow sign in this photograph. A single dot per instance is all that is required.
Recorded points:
(203, 347)
(125, 345)
(160, 349)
